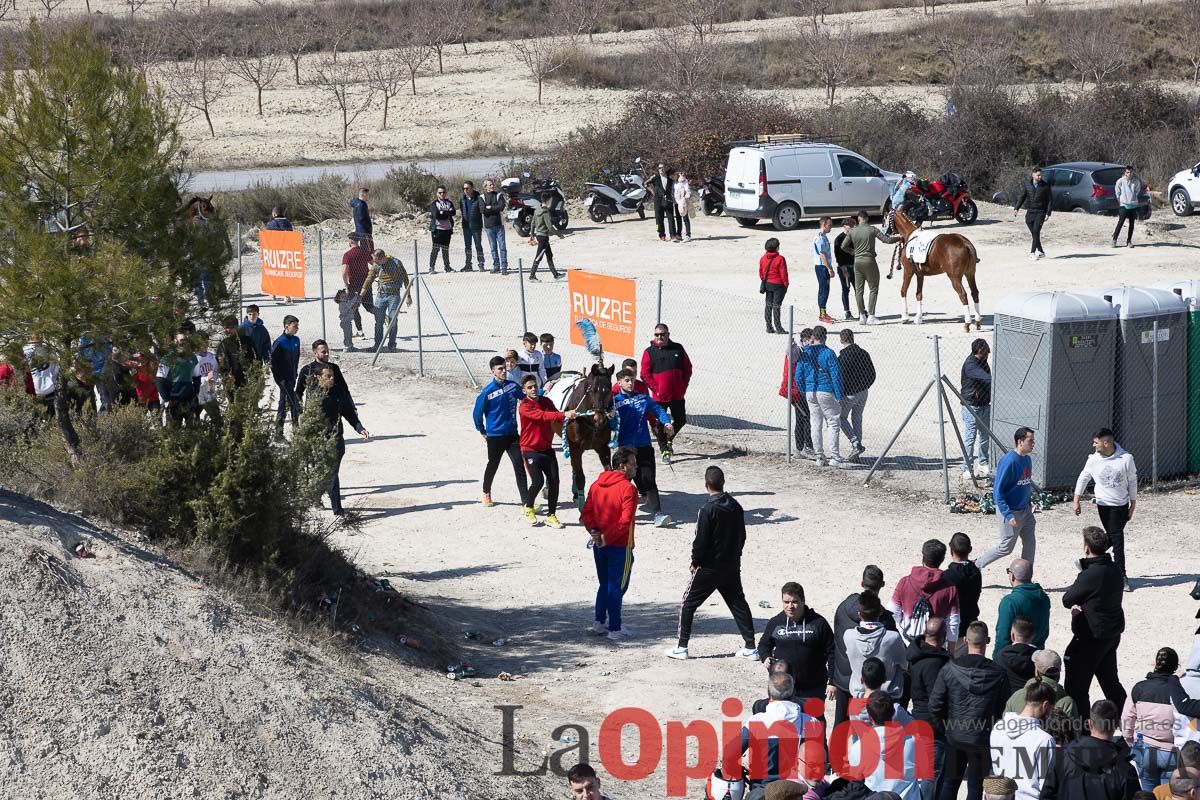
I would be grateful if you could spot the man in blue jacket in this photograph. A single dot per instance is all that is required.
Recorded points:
(255, 337)
(633, 431)
(285, 369)
(1013, 492)
(819, 378)
(471, 207)
(495, 417)
(362, 217)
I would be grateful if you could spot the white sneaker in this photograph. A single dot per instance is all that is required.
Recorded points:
(621, 635)
(1041, 255)
(746, 652)
(662, 520)
(982, 470)
(966, 475)
(873, 320)
(1033, 256)
(687, 238)
(862, 320)
(821, 462)
(678, 653)
(598, 629)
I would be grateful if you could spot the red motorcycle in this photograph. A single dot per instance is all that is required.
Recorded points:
(944, 198)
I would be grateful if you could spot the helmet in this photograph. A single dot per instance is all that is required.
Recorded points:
(718, 788)
(912, 176)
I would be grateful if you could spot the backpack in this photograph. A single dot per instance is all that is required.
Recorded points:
(914, 628)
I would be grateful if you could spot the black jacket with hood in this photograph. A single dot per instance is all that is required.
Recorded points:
(925, 662)
(1017, 662)
(1091, 769)
(967, 578)
(720, 533)
(806, 645)
(968, 697)
(845, 617)
(1098, 589)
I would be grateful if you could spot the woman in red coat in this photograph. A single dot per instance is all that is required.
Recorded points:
(773, 277)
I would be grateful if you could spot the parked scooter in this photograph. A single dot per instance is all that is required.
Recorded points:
(712, 195)
(521, 204)
(626, 195)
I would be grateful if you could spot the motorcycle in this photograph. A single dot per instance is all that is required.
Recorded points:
(521, 204)
(945, 198)
(627, 195)
(712, 196)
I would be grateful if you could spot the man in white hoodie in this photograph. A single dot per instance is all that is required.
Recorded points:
(1021, 750)
(1113, 471)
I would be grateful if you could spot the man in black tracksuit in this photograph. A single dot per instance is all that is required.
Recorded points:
(845, 618)
(962, 572)
(1097, 622)
(717, 564)
(968, 697)
(1035, 197)
(802, 639)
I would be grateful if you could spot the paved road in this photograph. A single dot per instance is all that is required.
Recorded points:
(235, 179)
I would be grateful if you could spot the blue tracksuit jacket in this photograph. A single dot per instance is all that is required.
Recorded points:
(817, 371)
(631, 414)
(1013, 486)
(495, 411)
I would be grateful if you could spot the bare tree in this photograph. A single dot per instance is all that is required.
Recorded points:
(9, 6)
(1094, 49)
(140, 45)
(828, 54)
(386, 73)
(259, 69)
(134, 6)
(690, 64)
(172, 5)
(296, 35)
(974, 54)
(463, 21)
(200, 79)
(434, 33)
(546, 54)
(813, 10)
(585, 15)
(340, 81)
(338, 25)
(47, 5)
(1191, 37)
(700, 15)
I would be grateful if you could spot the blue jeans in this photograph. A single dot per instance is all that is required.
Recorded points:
(614, 565)
(1154, 766)
(499, 251)
(387, 305)
(822, 286)
(971, 432)
(473, 235)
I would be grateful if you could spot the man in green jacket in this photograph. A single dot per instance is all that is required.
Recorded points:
(860, 240)
(543, 226)
(1025, 600)
(1047, 666)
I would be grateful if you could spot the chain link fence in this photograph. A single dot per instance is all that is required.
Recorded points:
(1141, 380)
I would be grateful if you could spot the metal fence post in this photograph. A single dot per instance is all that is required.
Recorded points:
(521, 282)
(321, 280)
(238, 245)
(450, 335)
(937, 379)
(1154, 413)
(658, 306)
(420, 332)
(791, 420)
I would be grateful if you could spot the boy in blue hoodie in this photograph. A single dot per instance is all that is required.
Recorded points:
(819, 379)
(254, 333)
(285, 368)
(1013, 491)
(633, 431)
(495, 417)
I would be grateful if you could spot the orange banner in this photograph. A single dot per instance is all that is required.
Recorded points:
(610, 303)
(282, 263)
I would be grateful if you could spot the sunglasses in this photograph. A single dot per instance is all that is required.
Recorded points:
(661, 335)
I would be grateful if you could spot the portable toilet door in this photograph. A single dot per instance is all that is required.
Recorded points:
(1149, 416)
(1052, 371)
(1189, 292)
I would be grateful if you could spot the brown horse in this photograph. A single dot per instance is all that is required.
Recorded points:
(590, 395)
(950, 253)
(198, 209)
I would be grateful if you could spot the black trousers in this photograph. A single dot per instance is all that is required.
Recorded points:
(287, 402)
(705, 581)
(773, 304)
(1034, 220)
(974, 765)
(542, 467)
(335, 484)
(439, 242)
(1122, 215)
(667, 212)
(1087, 658)
(678, 409)
(497, 448)
(645, 478)
(1113, 518)
(801, 426)
(543, 251)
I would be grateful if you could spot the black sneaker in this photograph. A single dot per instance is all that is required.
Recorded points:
(534, 278)
(467, 268)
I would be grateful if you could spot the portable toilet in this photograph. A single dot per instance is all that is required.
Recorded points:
(1189, 292)
(1052, 371)
(1134, 413)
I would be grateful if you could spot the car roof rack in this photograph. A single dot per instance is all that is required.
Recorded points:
(785, 138)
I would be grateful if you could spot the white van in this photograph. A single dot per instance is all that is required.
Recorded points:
(787, 178)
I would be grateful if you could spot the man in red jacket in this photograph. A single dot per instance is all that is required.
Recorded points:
(667, 370)
(925, 592)
(801, 428)
(537, 415)
(608, 515)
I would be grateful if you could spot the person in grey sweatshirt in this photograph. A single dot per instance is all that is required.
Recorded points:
(1114, 473)
(870, 639)
(1128, 190)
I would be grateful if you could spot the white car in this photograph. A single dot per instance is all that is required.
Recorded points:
(1183, 192)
